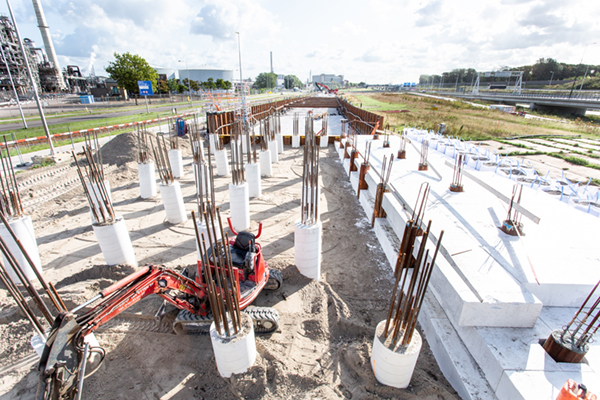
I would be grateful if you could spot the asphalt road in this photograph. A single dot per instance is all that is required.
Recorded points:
(60, 106)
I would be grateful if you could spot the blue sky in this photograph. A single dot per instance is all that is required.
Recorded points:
(374, 41)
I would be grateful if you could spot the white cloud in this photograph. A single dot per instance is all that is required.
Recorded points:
(376, 40)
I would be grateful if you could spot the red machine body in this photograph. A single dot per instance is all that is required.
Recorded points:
(325, 88)
(65, 351)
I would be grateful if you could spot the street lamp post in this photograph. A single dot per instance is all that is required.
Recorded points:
(551, 76)
(580, 63)
(583, 80)
(240, 55)
(188, 79)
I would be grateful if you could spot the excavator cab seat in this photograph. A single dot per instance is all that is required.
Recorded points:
(243, 252)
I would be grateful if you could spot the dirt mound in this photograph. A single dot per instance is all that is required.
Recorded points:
(121, 150)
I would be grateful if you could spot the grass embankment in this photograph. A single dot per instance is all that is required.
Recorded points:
(475, 123)
(464, 120)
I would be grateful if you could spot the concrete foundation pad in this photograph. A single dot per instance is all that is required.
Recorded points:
(493, 348)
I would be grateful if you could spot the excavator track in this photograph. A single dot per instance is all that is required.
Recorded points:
(275, 280)
(266, 320)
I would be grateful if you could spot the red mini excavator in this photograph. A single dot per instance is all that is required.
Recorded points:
(325, 88)
(62, 366)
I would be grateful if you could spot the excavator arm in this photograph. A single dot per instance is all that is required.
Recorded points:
(62, 365)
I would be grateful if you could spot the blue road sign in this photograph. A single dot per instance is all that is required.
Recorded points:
(145, 88)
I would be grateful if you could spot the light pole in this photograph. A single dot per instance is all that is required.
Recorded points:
(188, 79)
(583, 80)
(580, 62)
(551, 76)
(240, 54)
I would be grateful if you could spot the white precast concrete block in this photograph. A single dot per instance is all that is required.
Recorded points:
(274, 151)
(452, 355)
(234, 355)
(253, 179)
(354, 179)
(222, 162)
(23, 230)
(279, 139)
(346, 163)
(394, 367)
(387, 239)
(176, 162)
(173, 202)
(307, 249)
(147, 180)
(244, 139)
(295, 141)
(266, 169)
(372, 181)
(115, 243)
(336, 145)
(239, 206)
(367, 202)
(324, 141)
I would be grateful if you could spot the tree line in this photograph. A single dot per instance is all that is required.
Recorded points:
(543, 70)
(268, 80)
(127, 69)
(180, 86)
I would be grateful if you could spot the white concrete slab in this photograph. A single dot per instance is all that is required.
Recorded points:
(510, 360)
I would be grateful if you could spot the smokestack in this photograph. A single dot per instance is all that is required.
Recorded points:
(271, 62)
(39, 13)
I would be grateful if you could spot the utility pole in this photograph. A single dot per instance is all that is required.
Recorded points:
(580, 63)
(33, 85)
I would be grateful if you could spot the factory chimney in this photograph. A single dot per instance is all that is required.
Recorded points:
(39, 13)
(271, 62)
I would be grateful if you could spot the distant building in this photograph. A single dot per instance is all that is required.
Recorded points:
(202, 75)
(164, 74)
(248, 82)
(280, 80)
(328, 79)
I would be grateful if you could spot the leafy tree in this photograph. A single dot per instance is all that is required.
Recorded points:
(266, 80)
(210, 84)
(219, 83)
(227, 85)
(291, 81)
(181, 88)
(173, 85)
(128, 69)
(195, 85)
(163, 86)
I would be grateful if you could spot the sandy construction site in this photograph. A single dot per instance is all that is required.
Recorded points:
(323, 345)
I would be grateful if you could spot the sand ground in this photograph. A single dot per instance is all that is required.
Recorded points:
(322, 348)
